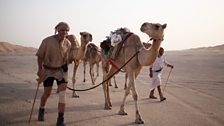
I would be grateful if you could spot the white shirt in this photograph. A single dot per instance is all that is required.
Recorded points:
(159, 63)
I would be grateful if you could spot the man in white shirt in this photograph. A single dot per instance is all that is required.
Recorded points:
(155, 74)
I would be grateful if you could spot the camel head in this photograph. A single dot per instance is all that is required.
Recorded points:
(85, 38)
(73, 40)
(154, 30)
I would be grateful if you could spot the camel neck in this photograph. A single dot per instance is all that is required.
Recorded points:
(156, 45)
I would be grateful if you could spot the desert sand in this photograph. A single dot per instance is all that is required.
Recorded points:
(194, 93)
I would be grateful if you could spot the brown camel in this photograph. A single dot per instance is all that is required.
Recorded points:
(144, 57)
(77, 53)
(92, 57)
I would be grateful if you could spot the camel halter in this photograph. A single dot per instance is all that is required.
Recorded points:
(108, 77)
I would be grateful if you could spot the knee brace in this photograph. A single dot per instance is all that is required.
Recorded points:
(62, 97)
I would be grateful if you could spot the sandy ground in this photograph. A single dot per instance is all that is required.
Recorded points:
(194, 94)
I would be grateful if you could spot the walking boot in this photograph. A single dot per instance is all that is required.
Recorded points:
(60, 120)
(41, 114)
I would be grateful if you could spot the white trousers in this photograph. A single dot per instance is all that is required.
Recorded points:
(156, 80)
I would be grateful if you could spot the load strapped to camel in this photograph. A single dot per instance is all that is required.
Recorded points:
(112, 45)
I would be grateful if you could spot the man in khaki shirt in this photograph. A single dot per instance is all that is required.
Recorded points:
(52, 58)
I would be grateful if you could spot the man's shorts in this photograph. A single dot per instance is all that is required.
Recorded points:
(50, 80)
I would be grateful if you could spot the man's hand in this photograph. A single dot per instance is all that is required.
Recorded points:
(41, 74)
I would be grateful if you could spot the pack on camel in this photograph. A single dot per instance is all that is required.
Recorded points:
(144, 57)
(77, 53)
(92, 57)
(107, 49)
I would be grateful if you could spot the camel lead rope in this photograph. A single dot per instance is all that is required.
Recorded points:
(107, 78)
(38, 85)
(167, 80)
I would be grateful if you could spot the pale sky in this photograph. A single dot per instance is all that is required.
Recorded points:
(190, 23)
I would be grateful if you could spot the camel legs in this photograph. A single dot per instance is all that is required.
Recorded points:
(76, 64)
(106, 88)
(105, 68)
(131, 86)
(106, 94)
(138, 119)
(91, 72)
(97, 70)
(115, 83)
(84, 71)
(125, 83)
(127, 91)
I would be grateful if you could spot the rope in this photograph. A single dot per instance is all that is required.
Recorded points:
(107, 78)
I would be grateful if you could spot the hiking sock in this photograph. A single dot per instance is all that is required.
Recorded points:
(41, 114)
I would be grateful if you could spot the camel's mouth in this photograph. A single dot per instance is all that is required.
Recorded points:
(142, 29)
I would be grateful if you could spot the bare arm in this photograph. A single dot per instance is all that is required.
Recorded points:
(167, 64)
(40, 63)
(41, 71)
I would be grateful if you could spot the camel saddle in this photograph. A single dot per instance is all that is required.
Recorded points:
(116, 50)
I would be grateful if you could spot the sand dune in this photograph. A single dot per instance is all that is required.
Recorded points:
(210, 48)
(6, 47)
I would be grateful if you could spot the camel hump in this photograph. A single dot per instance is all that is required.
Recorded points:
(92, 46)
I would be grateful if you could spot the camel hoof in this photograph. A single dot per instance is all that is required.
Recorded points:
(122, 113)
(139, 121)
(116, 87)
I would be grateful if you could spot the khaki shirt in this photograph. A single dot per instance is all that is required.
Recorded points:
(54, 54)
